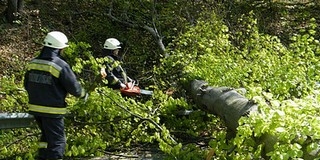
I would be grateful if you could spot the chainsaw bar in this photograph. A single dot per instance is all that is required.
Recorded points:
(133, 90)
(146, 92)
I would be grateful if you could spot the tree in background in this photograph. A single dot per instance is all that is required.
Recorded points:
(13, 10)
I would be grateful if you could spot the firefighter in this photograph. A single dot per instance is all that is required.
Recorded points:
(48, 80)
(114, 73)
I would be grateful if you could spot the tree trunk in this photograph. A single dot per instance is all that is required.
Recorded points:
(224, 102)
(13, 10)
(229, 105)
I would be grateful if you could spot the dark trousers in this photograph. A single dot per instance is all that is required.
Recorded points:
(52, 140)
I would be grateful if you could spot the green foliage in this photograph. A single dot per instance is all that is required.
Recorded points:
(280, 78)
(84, 64)
(285, 129)
(140, 50)
(19, 143)
(109, 121)
(106, 121)
(269, 70)
(212, 38)
(205, 52)
(12, 95)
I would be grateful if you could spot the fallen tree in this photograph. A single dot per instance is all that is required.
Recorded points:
(230, 106)
(224, 102)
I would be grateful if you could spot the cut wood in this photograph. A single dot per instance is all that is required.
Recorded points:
(224, 102)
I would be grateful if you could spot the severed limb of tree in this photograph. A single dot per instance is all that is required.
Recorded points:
(152, 30)
(23, 137)
(142, 118)
(145, 119)
(229, 105)
(224, 102)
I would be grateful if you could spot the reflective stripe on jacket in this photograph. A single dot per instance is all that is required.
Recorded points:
(48, 80)
(43, 65)
(116, 73)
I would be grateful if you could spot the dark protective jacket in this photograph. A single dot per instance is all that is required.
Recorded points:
(48, 80)
(115, 73)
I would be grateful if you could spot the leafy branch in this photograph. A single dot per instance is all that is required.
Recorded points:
(142, 118)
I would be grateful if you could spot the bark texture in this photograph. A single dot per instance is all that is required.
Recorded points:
(224, 102)
(14, 9)
(229, 105)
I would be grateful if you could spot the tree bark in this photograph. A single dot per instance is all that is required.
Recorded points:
(152, 30)
(229, 105)
(224, 102)
(13, 10)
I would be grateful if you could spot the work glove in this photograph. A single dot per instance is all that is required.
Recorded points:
(85, 97)
(103, 72)
(122, 85)
(129, 79)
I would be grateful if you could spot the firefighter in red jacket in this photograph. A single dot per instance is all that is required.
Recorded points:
(48, 80)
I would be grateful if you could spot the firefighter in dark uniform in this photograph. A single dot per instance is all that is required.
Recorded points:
(116, 76)
(48, 80)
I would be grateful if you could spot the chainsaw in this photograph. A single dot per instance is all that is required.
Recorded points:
(132, 89)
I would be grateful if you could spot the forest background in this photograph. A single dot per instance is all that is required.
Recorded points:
(270, 48)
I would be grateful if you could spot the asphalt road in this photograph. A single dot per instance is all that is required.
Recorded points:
(132, 155)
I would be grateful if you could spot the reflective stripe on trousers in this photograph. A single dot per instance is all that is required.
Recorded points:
(52, 134)
(47, 109)
(43, 145)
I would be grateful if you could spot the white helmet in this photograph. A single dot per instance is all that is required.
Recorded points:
(56, 39)
(112, 44)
